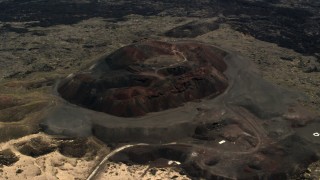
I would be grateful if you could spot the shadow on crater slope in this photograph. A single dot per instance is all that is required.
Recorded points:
(251, 130)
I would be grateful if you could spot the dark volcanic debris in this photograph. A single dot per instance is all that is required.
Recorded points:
(7, 157)
(74, 148)
(35, 147)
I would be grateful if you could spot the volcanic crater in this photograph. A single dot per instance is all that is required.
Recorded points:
(148, 77)
(190, 102)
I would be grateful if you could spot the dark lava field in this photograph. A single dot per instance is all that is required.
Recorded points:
(291, 24)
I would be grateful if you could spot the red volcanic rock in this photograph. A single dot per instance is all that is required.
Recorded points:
(148, 77)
